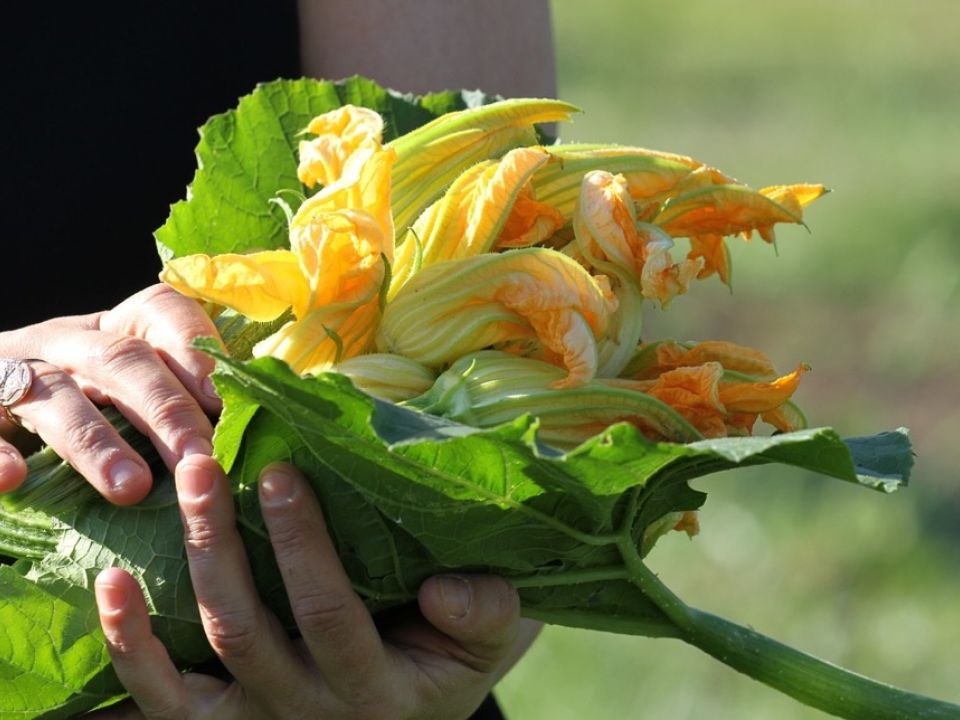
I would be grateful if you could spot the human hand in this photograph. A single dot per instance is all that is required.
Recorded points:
(437, 661)
(137, 357)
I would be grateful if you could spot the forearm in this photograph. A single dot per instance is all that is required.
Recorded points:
(500, 46)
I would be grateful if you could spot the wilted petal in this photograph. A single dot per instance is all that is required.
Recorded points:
(712, 249)
(460, 306)
(605, 222)
(661, 278)
(260, 285)
(722, 210)
(665, 355)
(339, 133)
(694, 393)
(531, 222)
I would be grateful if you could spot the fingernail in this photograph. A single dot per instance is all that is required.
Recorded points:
(197, 446)
(110, 598)
(10, 463)
(456, 596)
(209, 389)
(193, 481)
(276, 487)
(125, 473)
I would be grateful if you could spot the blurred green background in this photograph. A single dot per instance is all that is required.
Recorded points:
(865, 98)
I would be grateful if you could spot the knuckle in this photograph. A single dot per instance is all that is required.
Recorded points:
(122, 352)
(87, 435)
(324, 613)
(170, 410)
(232, 634)
(201, 536)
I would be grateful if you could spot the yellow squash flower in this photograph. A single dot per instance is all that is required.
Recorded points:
(339, 134)
(331, 281)
(652, 176)
(431, 157)
(607, 232)
(364, 184)
(341, 240)
(532, 295)
(470, 217)
(716, 405)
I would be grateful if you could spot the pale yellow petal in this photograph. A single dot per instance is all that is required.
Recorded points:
(260, 285)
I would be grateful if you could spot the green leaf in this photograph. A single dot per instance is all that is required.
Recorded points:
(247, 155)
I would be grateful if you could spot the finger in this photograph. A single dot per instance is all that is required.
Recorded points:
(247, 639)
(72, 425)
(170, 322)
(336, 626)
(139, 658)
(480, 613)
(13, 469)
(128, 373)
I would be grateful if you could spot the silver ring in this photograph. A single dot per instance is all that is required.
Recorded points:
(16, 377)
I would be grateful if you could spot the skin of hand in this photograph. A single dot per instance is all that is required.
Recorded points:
(137, 357)
(435, 661)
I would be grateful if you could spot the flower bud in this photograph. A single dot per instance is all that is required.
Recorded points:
(488, 388)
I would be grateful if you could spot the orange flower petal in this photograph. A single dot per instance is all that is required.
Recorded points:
(758, 397)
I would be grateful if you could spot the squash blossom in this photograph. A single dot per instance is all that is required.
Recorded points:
(465, 270)
(340, 242)
(535, 294)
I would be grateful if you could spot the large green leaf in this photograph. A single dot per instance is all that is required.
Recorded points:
(248, 155)
(407, 495)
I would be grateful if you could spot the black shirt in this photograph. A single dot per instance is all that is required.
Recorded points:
(102, 101)
(101, 105)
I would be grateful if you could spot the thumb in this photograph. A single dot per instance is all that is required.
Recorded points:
(480, 613)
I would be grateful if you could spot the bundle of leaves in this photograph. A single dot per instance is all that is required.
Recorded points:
(408, 490)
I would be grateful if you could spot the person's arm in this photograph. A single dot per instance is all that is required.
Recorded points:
(420, 46)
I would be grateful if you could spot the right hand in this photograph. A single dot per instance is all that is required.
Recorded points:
(137, 357)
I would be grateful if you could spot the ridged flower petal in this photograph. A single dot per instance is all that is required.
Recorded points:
(387, 376)
(260, 285)
(431, 157)
(460, 306)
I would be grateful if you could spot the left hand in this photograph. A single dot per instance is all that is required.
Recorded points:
(438, 663)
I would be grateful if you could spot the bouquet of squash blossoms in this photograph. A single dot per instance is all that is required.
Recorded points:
(436, 315)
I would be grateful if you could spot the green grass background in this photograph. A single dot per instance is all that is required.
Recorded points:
(865, 97)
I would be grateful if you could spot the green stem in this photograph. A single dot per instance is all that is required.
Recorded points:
(570, 577)
(809, 679)
(803, 677)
